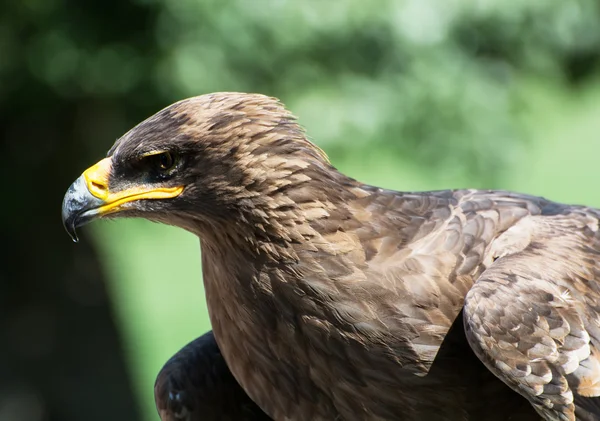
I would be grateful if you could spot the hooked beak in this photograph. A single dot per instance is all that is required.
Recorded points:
(89, 197)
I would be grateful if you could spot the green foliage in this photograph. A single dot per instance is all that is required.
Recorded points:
(429, 82)
(432, 82)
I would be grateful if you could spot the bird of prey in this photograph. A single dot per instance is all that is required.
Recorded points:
(331, 299)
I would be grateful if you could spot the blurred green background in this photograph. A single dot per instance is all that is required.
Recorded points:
(405, 94)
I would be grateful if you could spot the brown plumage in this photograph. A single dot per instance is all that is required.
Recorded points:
(332, 299)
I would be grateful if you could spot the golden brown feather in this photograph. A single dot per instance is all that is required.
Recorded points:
(331, 299)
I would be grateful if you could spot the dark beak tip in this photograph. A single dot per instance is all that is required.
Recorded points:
(72, 233)
(70, 211)
(76, 207)
(69, 223)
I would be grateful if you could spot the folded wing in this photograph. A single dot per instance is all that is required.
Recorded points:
(532, 316)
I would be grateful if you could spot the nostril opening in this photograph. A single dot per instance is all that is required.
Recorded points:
(98, 186)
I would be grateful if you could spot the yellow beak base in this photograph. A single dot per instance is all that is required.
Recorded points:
(96, 180)
(89, 197)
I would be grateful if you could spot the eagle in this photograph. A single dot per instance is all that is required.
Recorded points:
(332, 299)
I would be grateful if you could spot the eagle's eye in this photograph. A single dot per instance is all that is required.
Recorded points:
(162, 164)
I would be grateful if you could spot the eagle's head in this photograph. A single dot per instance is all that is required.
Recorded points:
(220, 159)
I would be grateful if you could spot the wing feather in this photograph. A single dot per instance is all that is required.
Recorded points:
(532, 317)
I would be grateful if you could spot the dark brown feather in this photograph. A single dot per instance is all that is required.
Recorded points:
(196, 385)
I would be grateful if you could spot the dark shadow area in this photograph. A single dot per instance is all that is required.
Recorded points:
(493, 396)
